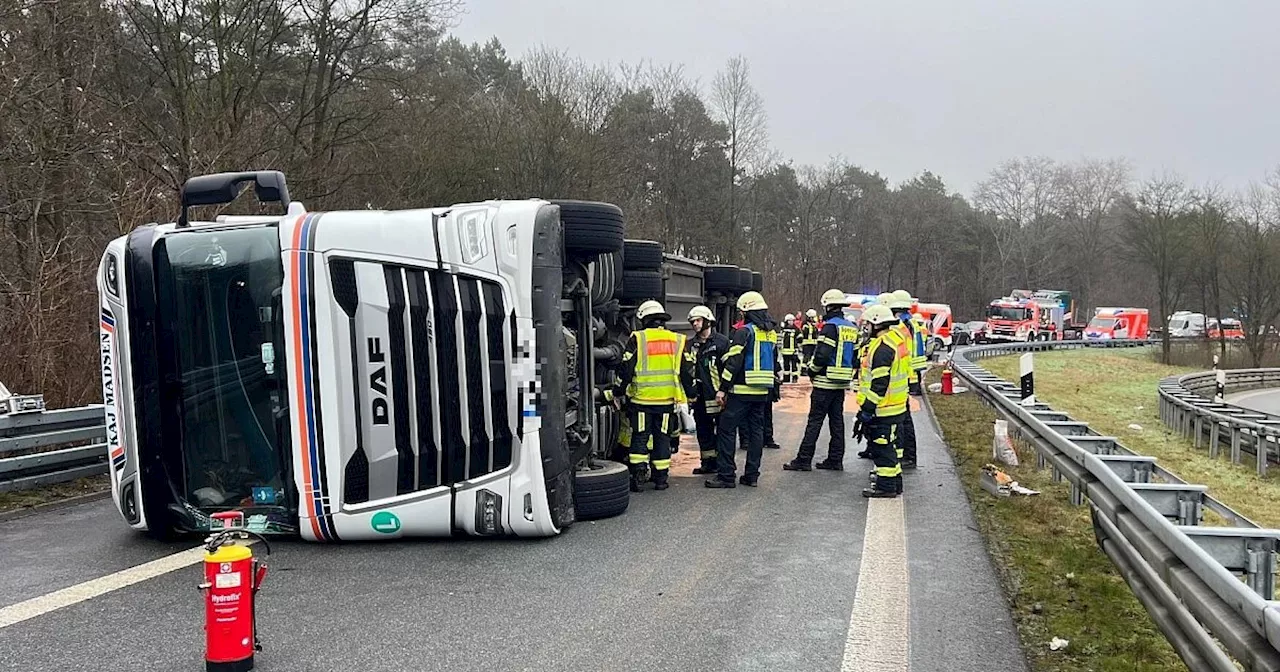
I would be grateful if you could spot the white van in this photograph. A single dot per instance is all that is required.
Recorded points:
(1186, 324)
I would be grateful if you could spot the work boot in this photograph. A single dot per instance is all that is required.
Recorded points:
(908, 464)
(750, 482)
(704, 470)
(830, 466)
(772, 446)
(797, 465)
(661, 486)
(717, 483)
(864, 454)
(876, 493)
(635, 484)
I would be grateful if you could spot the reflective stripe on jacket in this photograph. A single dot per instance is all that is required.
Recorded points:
(657, 378)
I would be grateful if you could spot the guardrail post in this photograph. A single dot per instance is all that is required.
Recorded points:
(1213, 439)
(1198, 426)
(1235, 445)
(1077, 495)
(1261, 575)
(1261, 447)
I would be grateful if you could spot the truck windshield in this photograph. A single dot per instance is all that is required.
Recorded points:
(1008, 313)
(219, 306)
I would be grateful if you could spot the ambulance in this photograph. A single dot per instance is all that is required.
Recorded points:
(1114, 323)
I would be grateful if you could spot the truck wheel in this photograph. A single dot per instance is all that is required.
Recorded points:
(601, 490)
(591, 227)
(641, 255)
(720, 278)
(744, 280)
(757, 281)
(641, 285)
(606, 278)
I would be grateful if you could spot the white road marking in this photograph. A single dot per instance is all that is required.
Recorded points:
(38, 606)
(879, 636)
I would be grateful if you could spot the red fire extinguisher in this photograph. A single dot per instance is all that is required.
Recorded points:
(232, 577)
(948, 386)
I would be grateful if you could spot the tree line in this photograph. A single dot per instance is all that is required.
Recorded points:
(106, 108)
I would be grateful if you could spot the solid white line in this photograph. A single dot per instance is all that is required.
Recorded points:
(38, 606)
(879, 638)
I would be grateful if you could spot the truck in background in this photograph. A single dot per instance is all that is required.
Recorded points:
(1022, 318)
(1116, 323)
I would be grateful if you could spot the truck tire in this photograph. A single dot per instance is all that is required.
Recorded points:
(757, 281)
(720, 278)
(744, 280)
(641, 285)
(641, 255)
(601, 490)
(591, 227)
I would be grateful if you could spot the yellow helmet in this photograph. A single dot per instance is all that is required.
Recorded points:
(703, 312)
(751, 301)
(811, 313)
(651, 308)
(901, 300)
(877, 315)
(833, 297)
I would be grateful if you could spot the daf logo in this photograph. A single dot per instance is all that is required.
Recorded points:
(378, 383)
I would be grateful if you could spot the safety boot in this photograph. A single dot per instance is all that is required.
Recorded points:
(772, 446)
(661, 486)
(877, 493)
(635, 484)
(749, 482)
(797, 465)
(864, 454)
(704, 469)
(830, 466)
(717, 483)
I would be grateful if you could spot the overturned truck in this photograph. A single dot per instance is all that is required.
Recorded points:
(376, 374)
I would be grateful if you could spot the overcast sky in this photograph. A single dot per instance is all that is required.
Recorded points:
(956, 86)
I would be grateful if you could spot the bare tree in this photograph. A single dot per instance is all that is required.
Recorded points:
(1024, 195)
(1157, 229)
(1089, 192)
(1212, 227)
(741, 109)
(1253, 271)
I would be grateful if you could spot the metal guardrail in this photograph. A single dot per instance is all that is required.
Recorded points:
(25, 464)
(1187, 407)
(1206, 588)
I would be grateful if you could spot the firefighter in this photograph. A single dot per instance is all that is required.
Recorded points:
(882, 389)
(705, 351)
(789, 342)
(808, 337)
(831, 370)
(652, 377)
(749, 372)
(912, 332)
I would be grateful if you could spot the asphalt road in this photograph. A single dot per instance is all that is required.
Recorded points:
(689, 579)
(1262, 401)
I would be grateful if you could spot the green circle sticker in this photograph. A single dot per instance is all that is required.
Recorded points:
(385, 522)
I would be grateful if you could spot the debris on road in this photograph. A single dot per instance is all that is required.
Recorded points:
(1135, 427)
(1002, 446)
(1001, 484)
(1058, 644)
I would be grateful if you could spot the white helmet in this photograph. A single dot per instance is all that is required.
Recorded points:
(811, 313)
(901, 300)
(703, 312)
(751, 301)
(877, 315)
(833, 297)
(789, 318)
(884, 298)
(651, 308)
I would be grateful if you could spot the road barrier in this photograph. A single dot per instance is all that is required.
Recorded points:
(1187, 406)
(1198, 583)
(25, 439)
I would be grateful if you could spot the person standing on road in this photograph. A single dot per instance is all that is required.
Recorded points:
(652, 376)
(882, 385)
(901, 302)
(831, 369)
(748, 369)
(789, 340)
(705, 351)
(808, 337)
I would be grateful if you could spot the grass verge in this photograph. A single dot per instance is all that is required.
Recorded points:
(1113, 389)
(1058, 581)
(23, 499)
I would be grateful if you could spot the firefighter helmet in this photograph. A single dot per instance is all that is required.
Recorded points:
(652, 308)
(901, 300)
(833, 297)
(703, 312)
(877, 315)
(811, 314)
(751, 301)
(789, 318)
(884, 298)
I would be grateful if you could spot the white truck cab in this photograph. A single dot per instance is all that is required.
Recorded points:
(355, 375)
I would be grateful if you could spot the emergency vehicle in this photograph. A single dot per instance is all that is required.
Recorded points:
(1109, 323)
(1231, 329)
(938, 316)
(1022, 318)
(370, 374)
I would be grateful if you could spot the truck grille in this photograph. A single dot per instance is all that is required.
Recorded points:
(437, 389)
